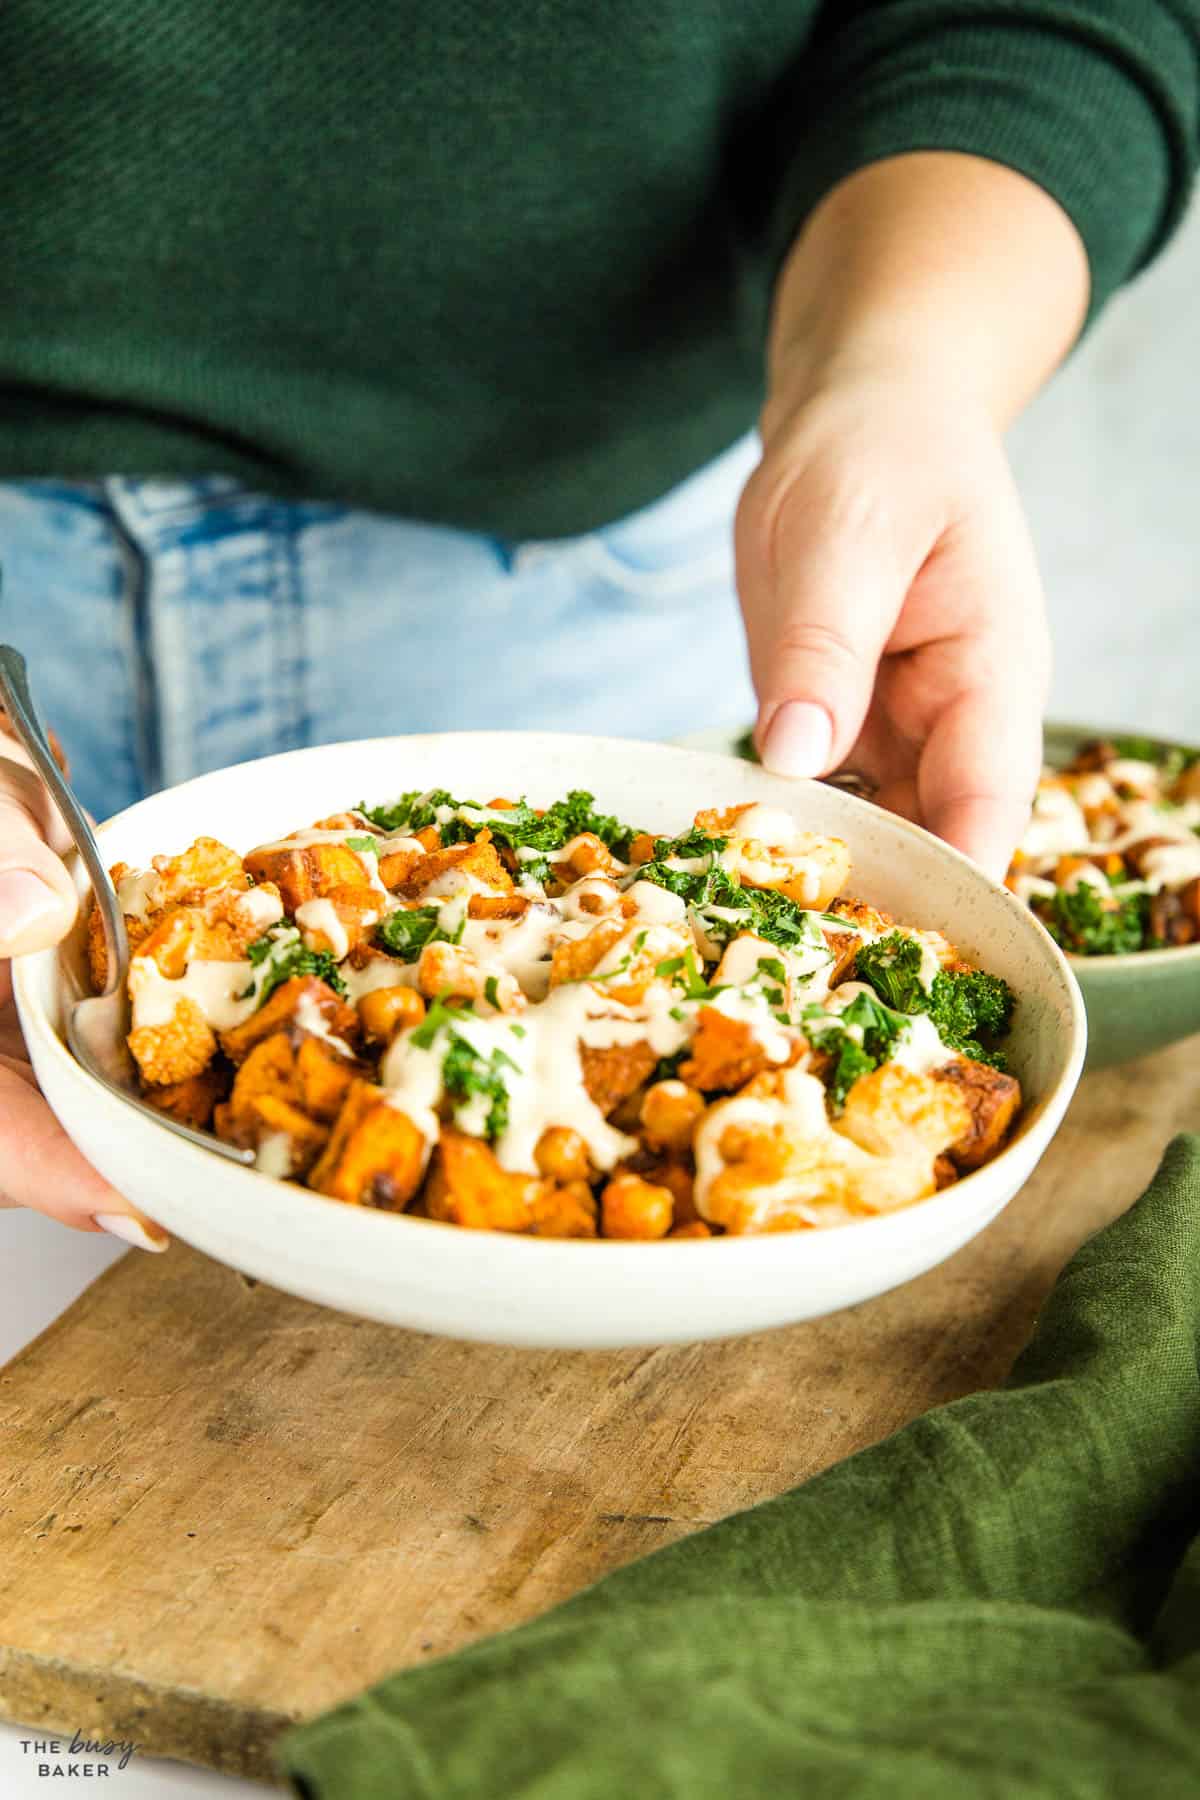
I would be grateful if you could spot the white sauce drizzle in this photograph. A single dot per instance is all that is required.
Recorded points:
(321, 915)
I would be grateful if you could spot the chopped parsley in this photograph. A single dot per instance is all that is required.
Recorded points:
(686, 972)
(857, 1040)
(279, 955)
(491, 992)
(466, 1072)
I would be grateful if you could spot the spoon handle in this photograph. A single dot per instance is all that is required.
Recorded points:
(18, 704)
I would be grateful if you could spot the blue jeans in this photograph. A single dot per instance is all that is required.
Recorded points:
(173, 627)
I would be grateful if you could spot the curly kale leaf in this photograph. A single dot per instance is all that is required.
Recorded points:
(892, 966)
(1081, 921)
(970, 1008)
(516, 828)
(405, 932)
(280, 953)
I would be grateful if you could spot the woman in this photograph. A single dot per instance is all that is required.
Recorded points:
(329, 357)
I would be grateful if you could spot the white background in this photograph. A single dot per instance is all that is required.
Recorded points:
(1108, 461)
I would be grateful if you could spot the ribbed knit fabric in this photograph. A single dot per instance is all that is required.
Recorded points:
(500, 266)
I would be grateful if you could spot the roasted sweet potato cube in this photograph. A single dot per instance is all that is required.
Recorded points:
(725, 1054)
(306, 1138)
(193, 1101)
(375, 1155)
(269, 1068)
(395, 866)
(322, 1078)
(468, 1187)
(993, 1099)
(286, 1006)
(305, 871)
(357, 908)
(478, 859)
(497, 906)
(611, 1072)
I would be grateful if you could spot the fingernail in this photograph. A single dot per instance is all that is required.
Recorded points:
(799, 739)
(142, 1234)
(25, 899)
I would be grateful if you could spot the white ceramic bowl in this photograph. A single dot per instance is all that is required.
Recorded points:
(543, 1291)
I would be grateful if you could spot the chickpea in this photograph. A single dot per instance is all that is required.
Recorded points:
(633, 1208)
(562, 1154)
(670, 1113)
(388, 1010)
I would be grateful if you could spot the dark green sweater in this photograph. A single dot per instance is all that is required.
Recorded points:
(499, 263)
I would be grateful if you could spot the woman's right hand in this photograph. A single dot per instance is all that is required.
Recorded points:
(39, 1165)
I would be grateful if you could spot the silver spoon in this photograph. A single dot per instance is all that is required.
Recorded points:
(97, 1028)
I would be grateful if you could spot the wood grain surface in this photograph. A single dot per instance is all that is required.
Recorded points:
(223, 1509)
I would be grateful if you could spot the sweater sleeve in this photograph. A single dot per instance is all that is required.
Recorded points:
(1098, 101)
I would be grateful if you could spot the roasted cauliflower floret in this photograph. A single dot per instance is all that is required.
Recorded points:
(174, 1051)
(772, 1164)
(765, 848)
(620, 955)
(894, 1111)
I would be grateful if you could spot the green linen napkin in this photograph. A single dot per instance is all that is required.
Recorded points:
(1003, 1599)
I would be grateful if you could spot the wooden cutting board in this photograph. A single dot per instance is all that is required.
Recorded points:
(223, 1509)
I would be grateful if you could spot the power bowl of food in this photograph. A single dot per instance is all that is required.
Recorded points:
(1110, 864)
(562, 1041)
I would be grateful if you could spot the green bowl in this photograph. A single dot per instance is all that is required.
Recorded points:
(1144, 1000)
(1135, 1003)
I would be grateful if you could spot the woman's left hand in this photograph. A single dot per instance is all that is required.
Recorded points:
(890, 591)
(893, 607)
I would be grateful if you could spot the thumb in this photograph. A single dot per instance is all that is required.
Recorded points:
(821, 594)
(38, 901)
